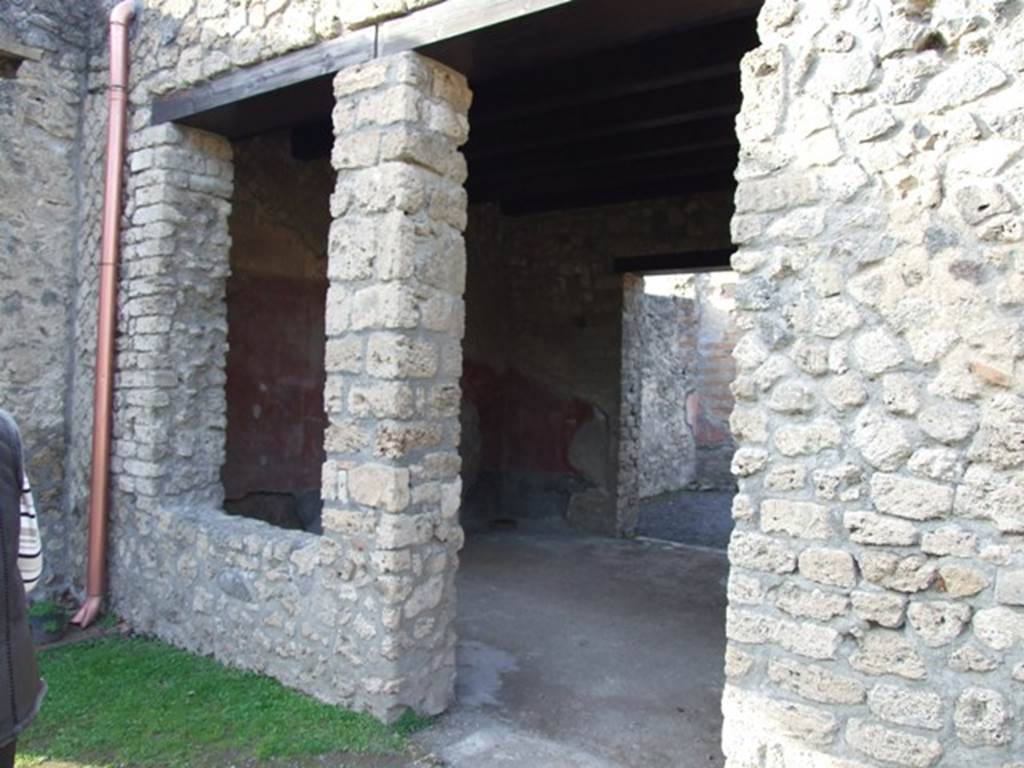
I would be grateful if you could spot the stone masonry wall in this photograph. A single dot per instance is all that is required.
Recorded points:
(39, 126)
(279, 602)
(174, 44)
(688, 337)
(877, 590)
(668, 450)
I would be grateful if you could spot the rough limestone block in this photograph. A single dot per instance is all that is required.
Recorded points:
(1010, 587)
(799, 519)
(815, 683)
(887, 652)
(883, 608)
(910, 498)
(834, 567)
(983, 718)
(895, 747)
(919, 709)
(938, 623)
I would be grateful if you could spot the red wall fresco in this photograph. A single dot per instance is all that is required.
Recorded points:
(275, 384)
(523, 425)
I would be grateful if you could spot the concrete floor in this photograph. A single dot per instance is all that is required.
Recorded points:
(582, 652)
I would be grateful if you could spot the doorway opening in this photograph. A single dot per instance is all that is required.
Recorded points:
(582, 176)
(686, 332)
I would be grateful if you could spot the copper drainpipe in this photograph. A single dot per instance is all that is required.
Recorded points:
(120, 18)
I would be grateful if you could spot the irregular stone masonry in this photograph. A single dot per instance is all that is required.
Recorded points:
(879, 229)
(39, 208)
(875, 598)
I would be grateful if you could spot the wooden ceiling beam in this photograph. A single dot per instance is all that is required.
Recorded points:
(658, 140)
(652, 65)
(555, 200)
(714, 260)
(615, 171)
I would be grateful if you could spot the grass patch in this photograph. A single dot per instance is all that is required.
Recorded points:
(139, 702)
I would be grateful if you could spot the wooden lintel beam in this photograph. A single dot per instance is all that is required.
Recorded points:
(487, 159)
(12, 50)
(683, 261)
(290, 69)
(450, 19)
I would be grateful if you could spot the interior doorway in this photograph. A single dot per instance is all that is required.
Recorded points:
(614, 164)
(685, 334)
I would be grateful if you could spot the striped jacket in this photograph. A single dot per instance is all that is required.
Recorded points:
(30, 549)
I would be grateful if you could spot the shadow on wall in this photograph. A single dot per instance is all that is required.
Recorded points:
(530, 455)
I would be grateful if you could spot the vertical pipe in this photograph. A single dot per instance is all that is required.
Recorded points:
(120, 18)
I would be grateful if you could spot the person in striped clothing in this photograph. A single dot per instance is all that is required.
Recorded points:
(30, 548)
(21, 688)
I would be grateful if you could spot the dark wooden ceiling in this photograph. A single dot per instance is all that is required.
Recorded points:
(650, 119)
(588, 102)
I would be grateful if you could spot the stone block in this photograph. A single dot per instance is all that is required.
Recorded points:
(812, 604)
(808, 639)
(903, 706)
(971, 657)
(380, 486)
(962, 580)
(983, 718)
(386, 305)
(834, 567)
(1010, 587)
(800, 519)
(879, 530)
(815, 683)
(883, 608)
(761, 553)
(877, 351)
(999, 628)
(784, 718)
(891, 746)
(948, 422)
(950, 540)
(938, 623)
(808, 439)
(911, 573)
(910, 498)
(887, 652)
(399, 356)
(384, 400)
(785, 477)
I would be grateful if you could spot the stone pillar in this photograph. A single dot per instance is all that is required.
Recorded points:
(395, 321)
(172, 329)
(876, 608)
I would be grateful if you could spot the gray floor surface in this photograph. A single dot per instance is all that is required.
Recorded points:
(585, 652)
(700, 518)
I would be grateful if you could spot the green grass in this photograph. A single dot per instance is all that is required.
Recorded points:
(138, 702)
